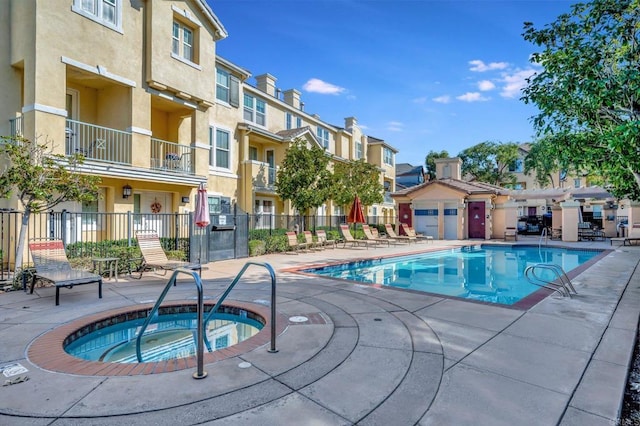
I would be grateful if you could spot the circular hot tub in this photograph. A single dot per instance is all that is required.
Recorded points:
(105, 344)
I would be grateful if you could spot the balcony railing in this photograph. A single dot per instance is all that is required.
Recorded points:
(16, 126)
(171, 157)
(97, 143)
(264, 176)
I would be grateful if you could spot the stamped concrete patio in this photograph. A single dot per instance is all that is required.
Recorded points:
(367, 356)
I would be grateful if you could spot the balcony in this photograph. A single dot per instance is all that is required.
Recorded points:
(16, 126)
(263, 176)
(171, 157)
(98, 143)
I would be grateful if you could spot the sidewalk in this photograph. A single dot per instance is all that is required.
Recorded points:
(367, 355)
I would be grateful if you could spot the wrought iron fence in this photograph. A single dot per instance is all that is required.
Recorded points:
(89, 234)
(272, 222)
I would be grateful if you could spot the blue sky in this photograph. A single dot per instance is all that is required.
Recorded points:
(421, 74)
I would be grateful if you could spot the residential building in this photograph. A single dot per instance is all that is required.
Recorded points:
(137, 88)
(408, 175)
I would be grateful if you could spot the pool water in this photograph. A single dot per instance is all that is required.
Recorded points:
(486, 273)
(172, 336)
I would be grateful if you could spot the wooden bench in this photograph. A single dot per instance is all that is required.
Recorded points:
(51, 264)
(154, 257)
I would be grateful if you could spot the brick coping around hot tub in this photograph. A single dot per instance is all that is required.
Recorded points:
(47, 351)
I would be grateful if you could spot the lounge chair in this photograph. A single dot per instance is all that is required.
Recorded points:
(294, 244)
(510, 234)
(412, 233)
(391, 233)
(154, 257)
(633, 238)
(308, 238)
(323, 240)
(348, 238)
(51, 263)
(370, 237)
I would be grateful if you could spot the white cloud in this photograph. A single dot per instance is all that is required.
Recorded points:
(479, 66)
(514, 82)
(444, 99)
(420, 100)
(395, 126)
(315, 85)
(486, 85)
(472, 97)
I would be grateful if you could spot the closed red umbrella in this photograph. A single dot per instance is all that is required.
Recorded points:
(202, 208)
(356, 214)
(201, 216)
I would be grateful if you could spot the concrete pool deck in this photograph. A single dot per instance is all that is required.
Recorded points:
(367, 355)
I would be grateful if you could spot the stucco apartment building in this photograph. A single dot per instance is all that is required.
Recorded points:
(137, 88)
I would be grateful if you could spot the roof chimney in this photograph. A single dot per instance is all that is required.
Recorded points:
(350, 122)
(266, 83)
(292, 97)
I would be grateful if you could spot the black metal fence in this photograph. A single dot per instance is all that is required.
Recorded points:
(271, 223)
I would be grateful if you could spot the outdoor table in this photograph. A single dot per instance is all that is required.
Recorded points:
(109, 262)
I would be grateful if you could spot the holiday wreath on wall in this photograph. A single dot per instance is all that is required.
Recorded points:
(156, 207)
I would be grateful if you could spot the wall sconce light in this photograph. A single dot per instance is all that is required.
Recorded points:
(126, 191)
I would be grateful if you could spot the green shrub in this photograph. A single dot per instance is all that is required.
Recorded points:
(257, 247)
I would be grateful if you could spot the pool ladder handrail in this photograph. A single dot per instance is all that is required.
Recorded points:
(200, 373)
(224, 295)
(544, 234)
(562, 284)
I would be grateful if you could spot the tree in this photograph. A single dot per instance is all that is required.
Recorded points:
(489, 162)
(41, 180)
(356, 178)
(430, 162)
(304, 177)
(588, 92)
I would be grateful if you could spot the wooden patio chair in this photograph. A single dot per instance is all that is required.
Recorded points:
(294, 244)
(154, 257)
(51, 264)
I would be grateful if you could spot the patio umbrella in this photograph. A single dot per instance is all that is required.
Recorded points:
(356, 214)
(201, 217)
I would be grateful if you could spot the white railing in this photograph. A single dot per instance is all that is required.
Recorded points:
(171, 156)
(97, 143)
(16, 126)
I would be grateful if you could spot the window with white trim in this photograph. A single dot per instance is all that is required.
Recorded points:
(358, 152)
(577, 183)
(182, 43)
(255, 110)
(220, 148)
(323, 137)
(387, 156)
(253, 153)
(105, 12)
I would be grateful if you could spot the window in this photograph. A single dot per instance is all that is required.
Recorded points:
(89, 214)
(387, 156)
(253, 153)
(292, 121)
(105, 12)
(219, 205)
(255, 110)
(517, 166)
(219, 153)
(182, 45)
(323, 137)
(577, 183)
(227, 88)
(358, 150)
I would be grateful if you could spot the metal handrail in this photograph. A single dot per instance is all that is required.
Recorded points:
(545, 235)
(273, 300)
(562, 284)
(200, 373)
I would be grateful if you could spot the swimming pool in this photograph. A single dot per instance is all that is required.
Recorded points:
(486, 273)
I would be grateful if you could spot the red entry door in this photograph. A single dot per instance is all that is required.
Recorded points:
(476, 219)
(404, 214)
